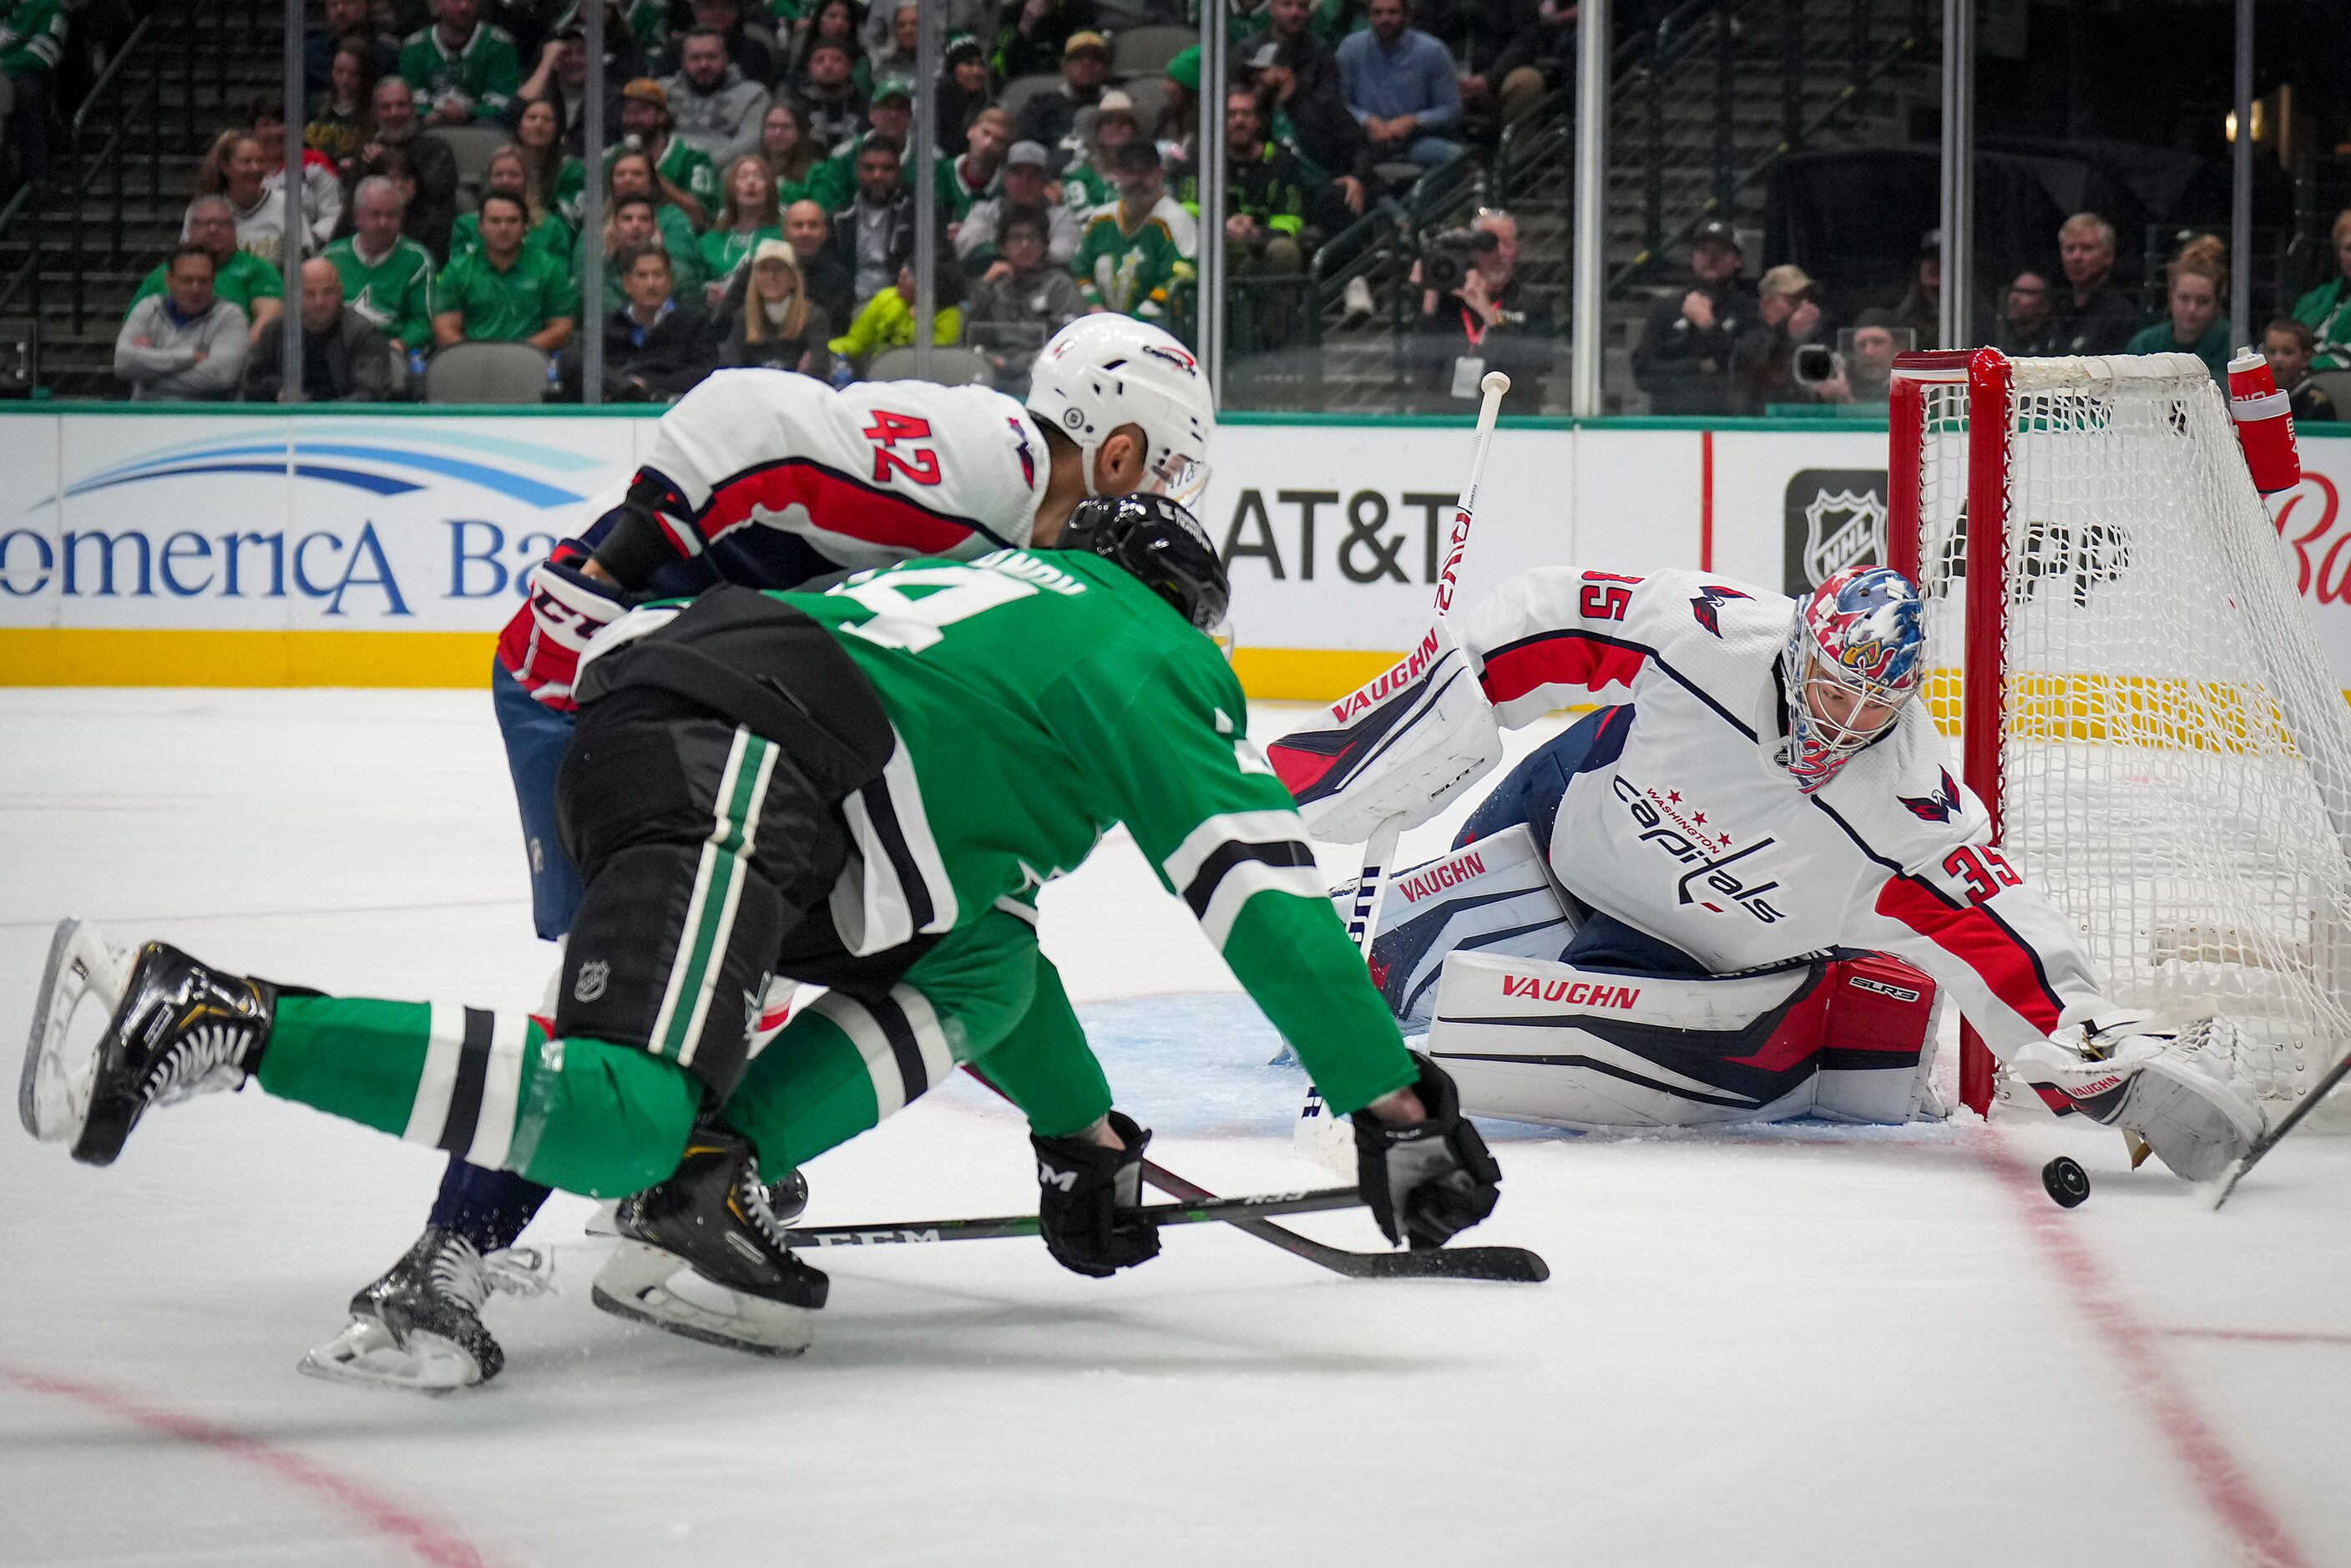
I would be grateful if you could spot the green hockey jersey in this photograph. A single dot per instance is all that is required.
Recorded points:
(395, 294)
(1041, 698)
(484, 74)
(1138, 273)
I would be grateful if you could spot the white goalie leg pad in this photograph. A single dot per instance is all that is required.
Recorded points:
(1588, 1048)
(1494, 897)
(1403, 746)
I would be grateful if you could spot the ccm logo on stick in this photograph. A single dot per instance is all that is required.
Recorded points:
(1438, 878)
(1575, 993)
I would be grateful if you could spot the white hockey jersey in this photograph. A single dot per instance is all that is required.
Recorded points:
(1681, 822)
(779, 477)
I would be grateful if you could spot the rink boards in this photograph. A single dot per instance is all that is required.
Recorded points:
(251, 547)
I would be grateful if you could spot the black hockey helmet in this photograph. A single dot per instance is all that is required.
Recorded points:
(1162, 544)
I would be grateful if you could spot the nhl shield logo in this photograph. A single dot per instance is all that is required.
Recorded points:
(594, 975)
(1842, 529)
(1834, 519)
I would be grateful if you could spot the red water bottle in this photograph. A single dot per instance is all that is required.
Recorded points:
(2264, 417)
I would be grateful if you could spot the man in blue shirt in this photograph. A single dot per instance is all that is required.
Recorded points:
(1400, 88)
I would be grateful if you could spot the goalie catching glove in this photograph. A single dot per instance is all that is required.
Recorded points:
(562, 608)
(1408, 743)
(1087, 1199)
(1426, 1183)
(2179, 1091)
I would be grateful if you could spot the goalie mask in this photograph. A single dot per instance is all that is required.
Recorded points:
(1857, 653)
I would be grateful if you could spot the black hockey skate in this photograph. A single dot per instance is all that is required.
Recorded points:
(703, 1254)
(420, 1326)
(180, 1029)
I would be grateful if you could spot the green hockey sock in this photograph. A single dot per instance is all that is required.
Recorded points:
(583, 1114)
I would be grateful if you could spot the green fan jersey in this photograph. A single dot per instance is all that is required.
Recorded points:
(32, 38)
(484, 74)
(496, 307)
(723, 250)
(1042, 699)
(394, 293)
(690, 171)
(242, 279)
(550, 235)
(1136, 274)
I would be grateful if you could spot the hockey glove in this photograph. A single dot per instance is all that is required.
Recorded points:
(1428, 1182)
(562, 608)
(2180, 1093)
(1082, 1188)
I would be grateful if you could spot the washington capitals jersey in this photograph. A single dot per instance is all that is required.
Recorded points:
(775, 479)
(1682, 822)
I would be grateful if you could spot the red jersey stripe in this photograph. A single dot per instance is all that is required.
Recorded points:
(1973, 936)
(1560, 659)
(836, 504)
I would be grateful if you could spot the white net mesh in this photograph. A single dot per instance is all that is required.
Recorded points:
(2176, 766)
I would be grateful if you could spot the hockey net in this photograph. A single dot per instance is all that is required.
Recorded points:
(2145, 705)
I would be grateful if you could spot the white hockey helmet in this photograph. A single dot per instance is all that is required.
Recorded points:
(1101, 371)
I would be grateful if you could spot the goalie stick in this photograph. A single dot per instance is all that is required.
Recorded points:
(1516, 1265)
(2270, 1139)
(1316, 1132)
(1371, 881)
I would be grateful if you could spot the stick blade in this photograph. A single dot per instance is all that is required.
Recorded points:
(1508, 1265)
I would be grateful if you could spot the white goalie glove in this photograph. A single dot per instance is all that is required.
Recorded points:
(2177, 1088)
(1405, 745)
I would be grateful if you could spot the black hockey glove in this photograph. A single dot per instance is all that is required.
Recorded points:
(1426, 1183)
(636, 546)
(1082, 1188)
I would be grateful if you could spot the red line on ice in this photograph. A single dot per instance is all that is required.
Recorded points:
(2194, 1443)
(429, 1542)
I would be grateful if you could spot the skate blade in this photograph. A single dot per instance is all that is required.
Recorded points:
(647, 1285)
(367, 1354)
(61, 1065)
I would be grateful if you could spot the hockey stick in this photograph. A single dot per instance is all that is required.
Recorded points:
(1371, 883)
(2269, 1140)
(1510, 1264)
(1315, 1132)
(1230, 1210)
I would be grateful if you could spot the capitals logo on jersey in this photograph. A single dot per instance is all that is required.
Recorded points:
(1708, 606)
(1027, 459)
(1940, 807)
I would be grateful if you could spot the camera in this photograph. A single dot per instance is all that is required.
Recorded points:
(1445, 258)
(1816, 364)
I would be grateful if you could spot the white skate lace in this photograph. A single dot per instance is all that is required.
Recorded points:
(210, 1058)
(458, 1273)
(753, 1197)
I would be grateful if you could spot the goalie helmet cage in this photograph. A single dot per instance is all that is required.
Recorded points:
(2115, 633)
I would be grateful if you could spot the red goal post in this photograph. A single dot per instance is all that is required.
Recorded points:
(2141, 701)
(1984, 373)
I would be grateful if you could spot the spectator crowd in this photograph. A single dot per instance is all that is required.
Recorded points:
(758, 185)
(1721, 345)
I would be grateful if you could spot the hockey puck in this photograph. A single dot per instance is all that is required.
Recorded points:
(2068, 1183)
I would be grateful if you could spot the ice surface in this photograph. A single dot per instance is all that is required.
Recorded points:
(1805, 1345)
